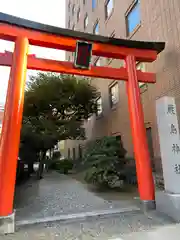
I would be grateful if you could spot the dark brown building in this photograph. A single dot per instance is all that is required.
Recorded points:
(151, 20)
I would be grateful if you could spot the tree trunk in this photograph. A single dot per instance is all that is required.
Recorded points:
(41, 165)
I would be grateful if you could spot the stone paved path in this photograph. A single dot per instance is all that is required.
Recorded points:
(111, 228)
(58, 195)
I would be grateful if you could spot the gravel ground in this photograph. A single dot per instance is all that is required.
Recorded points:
(95, 228)
(57, 195)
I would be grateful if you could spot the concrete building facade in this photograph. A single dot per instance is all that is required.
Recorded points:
(148, 20)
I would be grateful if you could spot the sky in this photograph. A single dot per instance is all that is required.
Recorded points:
(49, 12)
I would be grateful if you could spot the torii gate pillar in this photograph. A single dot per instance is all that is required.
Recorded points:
(9, 146)
(143, 166)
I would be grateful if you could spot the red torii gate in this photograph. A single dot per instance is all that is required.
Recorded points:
(24, 32)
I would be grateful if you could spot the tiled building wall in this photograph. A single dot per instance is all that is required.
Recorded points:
(160, 21)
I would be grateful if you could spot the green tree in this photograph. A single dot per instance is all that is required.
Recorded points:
(55, 108)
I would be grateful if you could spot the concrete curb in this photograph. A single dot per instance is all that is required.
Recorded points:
(77, 216)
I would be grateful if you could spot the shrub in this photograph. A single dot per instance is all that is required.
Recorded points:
(64, 166)
(129, 174)
(105, 162)
(51, 163)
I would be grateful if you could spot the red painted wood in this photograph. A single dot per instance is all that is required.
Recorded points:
(142, 157)
(10, 138)
(10, 33)
(67, 67)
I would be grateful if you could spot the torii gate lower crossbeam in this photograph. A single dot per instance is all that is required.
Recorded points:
(23, 33)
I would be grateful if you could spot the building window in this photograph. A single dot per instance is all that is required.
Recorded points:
(97, 62)
(108, 8)
(85, 22)
(69, 23)
(73, 9)
(133, 18)
(73, 27)
(93, 4)
(96, 28)
(84, 2)
(114, 94)
(78, 14)
(99, 106)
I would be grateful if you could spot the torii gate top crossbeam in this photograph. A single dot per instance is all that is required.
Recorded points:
(53, 37)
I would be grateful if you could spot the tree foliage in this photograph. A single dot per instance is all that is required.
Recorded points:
(54, 109)
(105, 162)
(63, 166)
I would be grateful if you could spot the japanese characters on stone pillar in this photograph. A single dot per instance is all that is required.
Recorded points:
(169, 142)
